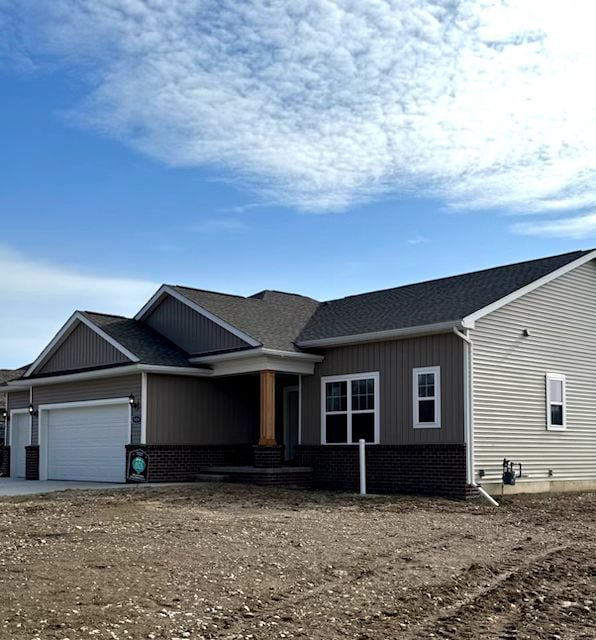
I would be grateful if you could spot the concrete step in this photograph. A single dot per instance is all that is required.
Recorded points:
(211, 477)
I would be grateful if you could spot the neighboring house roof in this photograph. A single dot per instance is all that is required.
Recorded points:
(427, 303)
(273, 318)
(138, 338)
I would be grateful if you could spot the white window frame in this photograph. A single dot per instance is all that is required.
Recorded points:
(349, 411)
(437, 398)
(559, 377)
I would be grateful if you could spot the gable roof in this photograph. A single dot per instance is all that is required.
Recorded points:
(273, 319)
(149, 346)
(432, 303)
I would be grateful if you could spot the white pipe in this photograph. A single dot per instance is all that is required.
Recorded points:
(486, 495)
(362, 455)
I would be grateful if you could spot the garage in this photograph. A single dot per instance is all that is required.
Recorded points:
(87, 442)
(20, 437)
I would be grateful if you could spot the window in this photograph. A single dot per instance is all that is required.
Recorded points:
(350, 408)
(556, 410)
(426, 384)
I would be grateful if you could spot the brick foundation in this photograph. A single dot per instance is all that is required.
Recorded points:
(181, 462)
(414, 469)
(5, 462)
(32, 462)
(266, 457)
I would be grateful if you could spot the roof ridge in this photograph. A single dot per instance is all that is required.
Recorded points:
(579, 252)
(219, 293)
(106, 315)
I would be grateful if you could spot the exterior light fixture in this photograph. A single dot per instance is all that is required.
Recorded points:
(5, 415)
(131, 401)
(32, 411)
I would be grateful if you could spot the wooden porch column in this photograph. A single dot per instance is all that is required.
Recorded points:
(267, 435)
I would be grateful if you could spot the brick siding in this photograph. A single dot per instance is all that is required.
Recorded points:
(32, 462)
(414, 469)
(180, 462)
(268, 456)
(5, 462)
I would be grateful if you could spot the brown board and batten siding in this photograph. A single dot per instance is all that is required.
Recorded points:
(509, 374)
(83, 349)
(189, 329)
(394, 360)
(194, 411)
(98, 389)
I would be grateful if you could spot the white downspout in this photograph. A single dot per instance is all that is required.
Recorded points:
(468, 415)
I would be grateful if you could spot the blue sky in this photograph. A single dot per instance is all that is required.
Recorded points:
(141, 143)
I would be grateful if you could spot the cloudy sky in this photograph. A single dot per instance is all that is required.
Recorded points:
(320, 146)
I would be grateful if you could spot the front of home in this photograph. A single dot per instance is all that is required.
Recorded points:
(443, 379)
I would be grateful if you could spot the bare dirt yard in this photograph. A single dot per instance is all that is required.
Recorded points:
(236, 562)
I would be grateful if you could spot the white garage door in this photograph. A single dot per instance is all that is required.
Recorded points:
(19, 439)
(87, 443)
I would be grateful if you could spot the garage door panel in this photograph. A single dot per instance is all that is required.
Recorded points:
(87, 443)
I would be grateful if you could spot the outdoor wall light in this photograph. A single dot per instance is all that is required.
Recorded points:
(132, 402)
(5, 415)
(32, 411)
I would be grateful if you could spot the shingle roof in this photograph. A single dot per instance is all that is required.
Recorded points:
(11, 374)
(148, 345)
(435, 301)
(273, 318)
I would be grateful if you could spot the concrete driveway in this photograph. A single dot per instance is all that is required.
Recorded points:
(20, 487)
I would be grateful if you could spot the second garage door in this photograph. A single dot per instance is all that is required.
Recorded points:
(87, 443)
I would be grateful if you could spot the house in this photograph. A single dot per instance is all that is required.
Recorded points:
(443, 379)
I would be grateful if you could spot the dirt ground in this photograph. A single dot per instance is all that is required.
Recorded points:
(235, 562)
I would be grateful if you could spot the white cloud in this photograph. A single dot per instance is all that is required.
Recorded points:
(577, 227)
(37, 298)
(418, 240)
(323, 103)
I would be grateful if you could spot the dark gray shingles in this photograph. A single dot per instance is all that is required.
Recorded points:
(148, 345)
(273, 318)
(435, 301)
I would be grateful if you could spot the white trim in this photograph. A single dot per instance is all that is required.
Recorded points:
(43, 424)
(470, 320)
(63, 334)
(416, 399)
(377, 336)
(262, 362)
(251, 353)
(23, 384)
(143, 408)
(168, 290)
(559, 377)
(347, 378)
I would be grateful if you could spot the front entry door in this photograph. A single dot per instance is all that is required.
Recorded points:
(291, 419)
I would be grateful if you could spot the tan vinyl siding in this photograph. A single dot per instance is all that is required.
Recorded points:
(183, 410)
(189, 329)
(100, 389)
(509, 380)
(394, 360)
(83, 349)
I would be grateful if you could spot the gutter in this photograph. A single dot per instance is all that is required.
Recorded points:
(376, 336)
(469, 414)
(27, 383)
(251, 353)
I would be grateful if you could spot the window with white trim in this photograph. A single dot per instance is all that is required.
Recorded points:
(350, 408)
(426, 386)
(556, 410)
